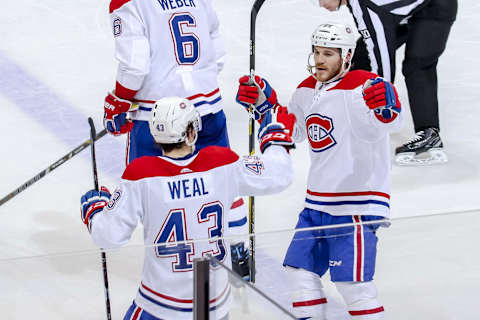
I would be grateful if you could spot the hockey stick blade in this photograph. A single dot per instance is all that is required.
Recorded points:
(52, 167)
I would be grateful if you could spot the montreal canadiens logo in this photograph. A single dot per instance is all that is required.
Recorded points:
(319, 130)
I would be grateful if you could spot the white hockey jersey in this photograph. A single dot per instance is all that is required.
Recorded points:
(349, 146)
(186, 200)
(168, 48)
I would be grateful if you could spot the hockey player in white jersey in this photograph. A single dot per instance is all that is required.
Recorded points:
(346, 117)
(386, 26)
(165, 48)
(182, 196)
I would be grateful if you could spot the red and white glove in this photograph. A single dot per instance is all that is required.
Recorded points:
(381, 96)
(259, 94)
(92, 203)
(277, 129)
(115, 115)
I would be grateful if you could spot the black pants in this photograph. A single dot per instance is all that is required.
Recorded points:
(425, 34)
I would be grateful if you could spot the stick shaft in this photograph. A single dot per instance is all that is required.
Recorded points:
(52, 167)
(95, 185)
(251, 139)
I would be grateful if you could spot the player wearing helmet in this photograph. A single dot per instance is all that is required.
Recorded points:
(182, 196)
(165, 49)
(175, 128)
(423, 26)
(326, 66)
(346, 116)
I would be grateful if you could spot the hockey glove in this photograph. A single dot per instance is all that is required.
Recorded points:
(115, 115)
(92, 203)
(259, 94)
(277, 128)
(240, 257)
(381, 96)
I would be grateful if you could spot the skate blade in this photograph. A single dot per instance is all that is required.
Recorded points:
(432, 157)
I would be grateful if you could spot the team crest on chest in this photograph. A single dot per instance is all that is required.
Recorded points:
(253, 164)
(319, 131)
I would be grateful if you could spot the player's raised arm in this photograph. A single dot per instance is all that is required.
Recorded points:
(381, 97)
(272, 171)
(112, 218)
(375, 109)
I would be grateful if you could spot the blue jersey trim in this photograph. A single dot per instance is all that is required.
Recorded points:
(340, 203)
(164, 305)
(209, 102)
(182, 309)
(195, 104)
(238, 223)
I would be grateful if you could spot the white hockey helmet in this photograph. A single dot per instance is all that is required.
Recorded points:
(170, 119)
(334, 35)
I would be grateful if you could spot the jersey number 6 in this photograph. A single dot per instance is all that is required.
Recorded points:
(175, 230)
(187, 44)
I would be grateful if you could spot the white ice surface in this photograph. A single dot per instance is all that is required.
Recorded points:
(428, 268)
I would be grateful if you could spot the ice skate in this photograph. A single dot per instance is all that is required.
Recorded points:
(426, 148)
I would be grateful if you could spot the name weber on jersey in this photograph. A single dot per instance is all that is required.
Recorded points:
(175, 4)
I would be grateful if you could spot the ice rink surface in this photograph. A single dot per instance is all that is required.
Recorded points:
(56, 65)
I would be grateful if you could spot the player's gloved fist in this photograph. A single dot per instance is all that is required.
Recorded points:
(277, 128)
(258, 93)
(115, 115)
(240, 257)
(381, 96)
(92, 203)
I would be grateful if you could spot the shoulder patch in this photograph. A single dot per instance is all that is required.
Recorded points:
(353, 79)
(207, 159)
(116, 4)
(254, 164)
(310, 82)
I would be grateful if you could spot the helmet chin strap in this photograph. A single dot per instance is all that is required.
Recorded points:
(343, 70)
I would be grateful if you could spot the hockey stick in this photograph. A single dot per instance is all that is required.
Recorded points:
(251, 137)
(59, 162)
(95, 184)
(52, 167)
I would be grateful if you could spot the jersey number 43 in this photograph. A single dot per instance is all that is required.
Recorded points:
(187, 44)
(175, 230)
